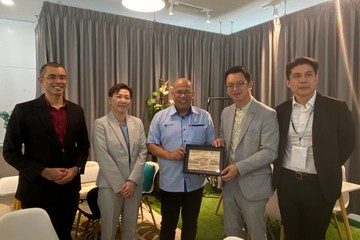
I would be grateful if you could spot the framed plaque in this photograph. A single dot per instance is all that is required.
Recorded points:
(204, 159)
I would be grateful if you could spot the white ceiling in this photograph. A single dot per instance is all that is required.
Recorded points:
(228, 15)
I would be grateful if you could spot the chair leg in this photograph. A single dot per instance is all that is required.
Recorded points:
(337, 226)
(86, 228)
(96, 229)
(218, 204)
(141, 210)
(16, 204)
(147, 203)
(77, 224)
(270, 228)
(282, 232)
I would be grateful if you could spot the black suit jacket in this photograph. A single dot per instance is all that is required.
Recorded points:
(30, 124)
(333, 140)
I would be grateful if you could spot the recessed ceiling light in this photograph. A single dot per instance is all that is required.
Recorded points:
(7, 2)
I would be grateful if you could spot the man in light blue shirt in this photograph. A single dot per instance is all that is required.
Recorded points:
(170, 130)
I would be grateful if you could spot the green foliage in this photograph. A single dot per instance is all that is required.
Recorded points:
(159, 100)
(5, 116)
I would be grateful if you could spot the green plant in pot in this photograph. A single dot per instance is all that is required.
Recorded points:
(5, 116)
(159, 100)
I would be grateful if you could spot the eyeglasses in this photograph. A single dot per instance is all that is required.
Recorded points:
(238, 85)
(53, 77)
(185, 92)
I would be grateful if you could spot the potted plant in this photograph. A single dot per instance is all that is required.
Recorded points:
(159, 100)
(5, 116)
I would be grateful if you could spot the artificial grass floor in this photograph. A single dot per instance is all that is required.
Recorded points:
(211, 227)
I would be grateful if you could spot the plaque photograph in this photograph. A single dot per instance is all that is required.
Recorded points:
(204, 159)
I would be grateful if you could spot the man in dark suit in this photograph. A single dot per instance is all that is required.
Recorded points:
(56, 146)
(316, 139)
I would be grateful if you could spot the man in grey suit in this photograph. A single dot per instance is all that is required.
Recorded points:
(250, 132)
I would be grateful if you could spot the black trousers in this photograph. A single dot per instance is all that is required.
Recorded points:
(61, 211)
(305, 212)
(171, 203)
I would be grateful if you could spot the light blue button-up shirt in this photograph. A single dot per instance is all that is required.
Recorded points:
(171, 131)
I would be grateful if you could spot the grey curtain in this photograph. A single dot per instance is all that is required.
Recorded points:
(101, 49)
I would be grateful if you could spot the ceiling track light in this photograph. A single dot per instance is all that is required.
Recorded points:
(275, 4)
(144, 5)
(276, 12)
(171, 8)
(202, 9)
(208, 16)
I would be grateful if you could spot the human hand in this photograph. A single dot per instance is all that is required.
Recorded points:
(127, 190)
(53, 174)
(217, 143)
(178, 154)
(70, 174)
(229, 172)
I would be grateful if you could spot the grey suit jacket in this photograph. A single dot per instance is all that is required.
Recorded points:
(111, 152)
(256, 150)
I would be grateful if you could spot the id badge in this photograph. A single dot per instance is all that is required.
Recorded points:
(298, 157)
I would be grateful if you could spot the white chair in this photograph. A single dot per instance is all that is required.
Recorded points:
(88, 179)
(148, 187)
(233, 238)
(31, 223)
(337, 208)
(8, 186)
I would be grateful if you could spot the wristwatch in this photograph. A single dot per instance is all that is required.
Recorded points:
(79, 170)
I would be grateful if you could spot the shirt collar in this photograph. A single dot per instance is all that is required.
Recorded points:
(246, 107)
(173, 110)
(309, 104)
(48, 104)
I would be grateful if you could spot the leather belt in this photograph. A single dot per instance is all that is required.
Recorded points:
(299, 175)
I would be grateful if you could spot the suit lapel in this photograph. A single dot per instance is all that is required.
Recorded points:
(229, 125)
(116, 128)
(317, 114)
(248, 118)
(42, 111)
(132, 131)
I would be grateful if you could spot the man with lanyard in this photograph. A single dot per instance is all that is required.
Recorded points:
(316, 139)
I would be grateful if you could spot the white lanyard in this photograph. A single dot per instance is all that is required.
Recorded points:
(300, 134)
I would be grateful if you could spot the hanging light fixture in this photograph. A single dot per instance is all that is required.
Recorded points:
(144, 5)
(276, 12)
(171, 8)
(208, 17)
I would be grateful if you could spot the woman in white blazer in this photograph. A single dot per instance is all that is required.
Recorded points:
(119, 146)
